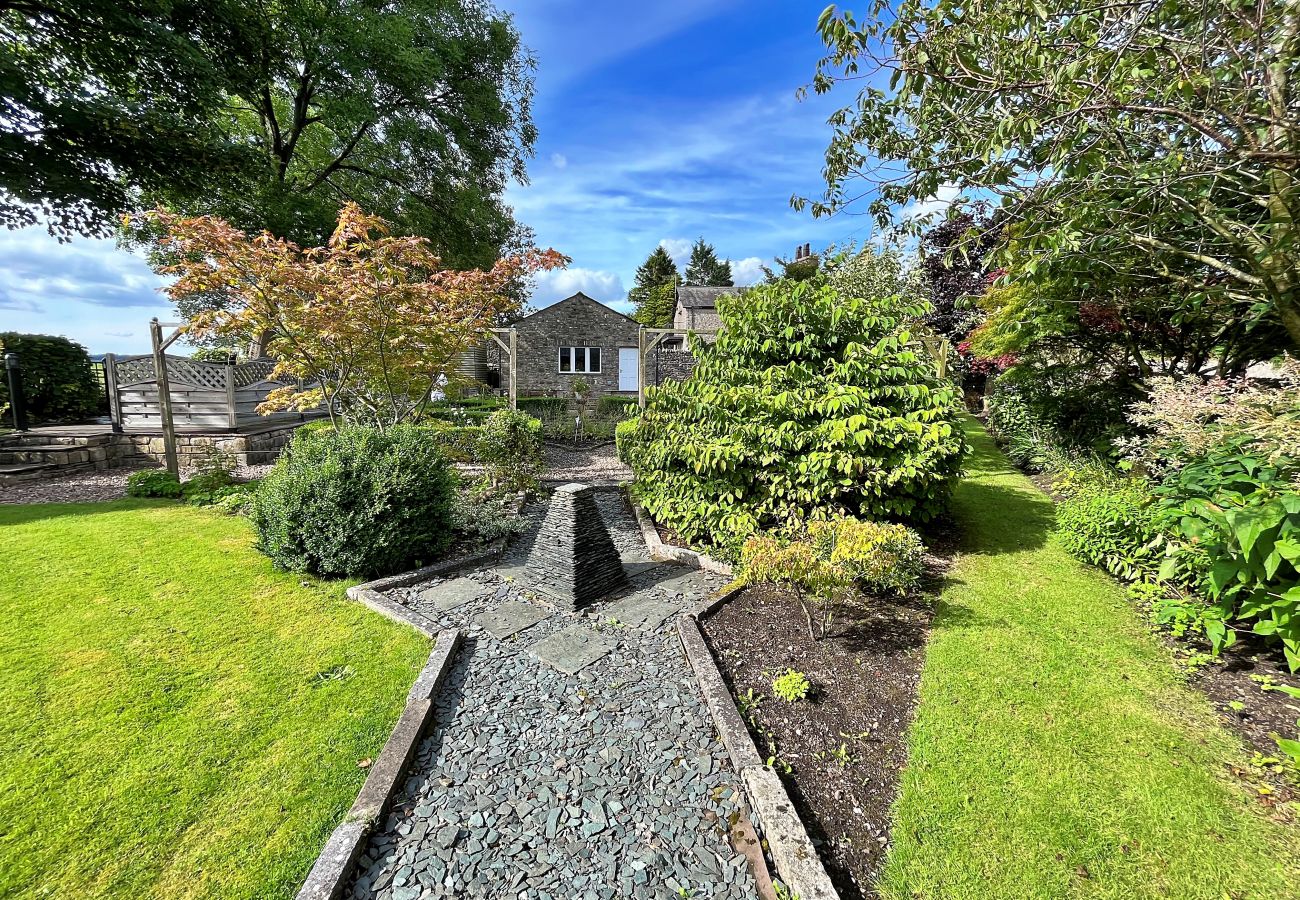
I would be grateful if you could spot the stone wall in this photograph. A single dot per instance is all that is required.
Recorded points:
(250, 449)
(672, 365)
(697, 319)
(578, 321)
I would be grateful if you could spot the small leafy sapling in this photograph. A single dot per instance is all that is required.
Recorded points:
(1288, 746)
(791, 686)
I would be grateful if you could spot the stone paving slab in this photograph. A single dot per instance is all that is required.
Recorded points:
(509, 618)
(539, 785)
(452, 594)
(640, 611)
(573, 649)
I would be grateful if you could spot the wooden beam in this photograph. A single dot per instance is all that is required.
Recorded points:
(514, 380)
(164, 396)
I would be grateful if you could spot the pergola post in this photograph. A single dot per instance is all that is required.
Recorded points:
(164, 395)
(510, 348)
(645, 347)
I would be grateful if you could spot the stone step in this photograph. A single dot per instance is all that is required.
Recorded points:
(58, 454)
(13, 441)
(19, 470)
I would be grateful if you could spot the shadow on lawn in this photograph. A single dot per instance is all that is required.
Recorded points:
(26, 513)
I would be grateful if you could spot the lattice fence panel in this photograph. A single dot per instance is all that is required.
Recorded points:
(252, 372)
(134, 369)
(199, 374)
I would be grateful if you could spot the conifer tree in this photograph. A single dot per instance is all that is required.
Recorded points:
(653, 294)
(705, 269)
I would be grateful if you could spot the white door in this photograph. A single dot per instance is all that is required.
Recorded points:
(627, 368)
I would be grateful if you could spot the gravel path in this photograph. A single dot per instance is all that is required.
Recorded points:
(539, 785)
(596, 465)
(90, 487)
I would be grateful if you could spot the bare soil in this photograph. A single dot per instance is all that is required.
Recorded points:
(842, 750)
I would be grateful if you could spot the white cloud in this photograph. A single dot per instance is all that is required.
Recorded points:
(557, 284)
(679, 249)
(559, 160)
(747, 271)
(934, 206)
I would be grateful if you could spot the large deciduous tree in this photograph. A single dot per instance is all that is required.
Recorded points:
(417, 110)
(369, 323)
(704, 267)
(270, 115)
(653, 294)
(1164, 130)
(100, 99)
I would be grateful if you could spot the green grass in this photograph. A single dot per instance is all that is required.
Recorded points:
(1055, 752)
(165, 726)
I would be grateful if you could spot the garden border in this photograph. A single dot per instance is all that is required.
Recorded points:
(330, 872)
(797, 863)
(333, 866)
(661, 552)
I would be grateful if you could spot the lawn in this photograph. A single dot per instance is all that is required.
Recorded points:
(1055, 752)
(177, 719)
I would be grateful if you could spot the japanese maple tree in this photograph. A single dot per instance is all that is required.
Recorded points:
(369, 325)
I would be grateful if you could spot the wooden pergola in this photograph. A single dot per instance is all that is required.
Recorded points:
(647, 340)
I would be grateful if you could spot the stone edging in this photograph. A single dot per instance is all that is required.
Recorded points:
(792, 850)
(329, 875)
(661, 552)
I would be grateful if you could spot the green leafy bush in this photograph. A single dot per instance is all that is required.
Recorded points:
(813, 402)
(510, 447)
(1111, 522)
(880, 557)
(543, 407)
(791, 686)
(614, 406)
(485, 517)
(357, 502)
(829, 566)
(206, 489)
(1237, 526)
(459, 443)
(58, 382)
(153, 483)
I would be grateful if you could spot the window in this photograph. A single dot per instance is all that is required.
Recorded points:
(579, 360)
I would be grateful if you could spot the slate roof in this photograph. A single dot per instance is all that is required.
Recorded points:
(579, 297)
(697, 297)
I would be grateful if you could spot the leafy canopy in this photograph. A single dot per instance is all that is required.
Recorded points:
(653, 294)
(813, 402)
(704, 267)
(1160, 138)
(369, 323)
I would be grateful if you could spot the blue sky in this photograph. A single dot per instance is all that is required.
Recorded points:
(658, 123)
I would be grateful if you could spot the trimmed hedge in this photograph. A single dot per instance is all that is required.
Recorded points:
(58, 382)
(357, 502)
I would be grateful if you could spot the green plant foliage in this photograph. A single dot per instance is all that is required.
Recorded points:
(1239, 523)
(543, 407)
(510, 447)
(357, 502)
(791, 686)
(486, 516)
(58, 383)
(207, 488)
(459, 443)
(1111, 522)
(879, 557)
(614, 406)
(153, 483)
(813, 402)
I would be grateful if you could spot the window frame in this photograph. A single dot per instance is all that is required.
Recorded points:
(573, 360)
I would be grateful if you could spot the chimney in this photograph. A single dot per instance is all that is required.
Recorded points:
(807, 250)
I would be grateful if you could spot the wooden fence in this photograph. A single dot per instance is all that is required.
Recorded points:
(204, 395)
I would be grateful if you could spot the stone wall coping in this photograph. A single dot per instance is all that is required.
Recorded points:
(329, 875)
(661, 552)
(793, 853)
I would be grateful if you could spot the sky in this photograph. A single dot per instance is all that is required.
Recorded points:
(658, 123)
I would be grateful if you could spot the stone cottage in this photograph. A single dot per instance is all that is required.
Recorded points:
(697, 307)
(578, 337)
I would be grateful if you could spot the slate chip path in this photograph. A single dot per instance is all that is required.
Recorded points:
(537, 784)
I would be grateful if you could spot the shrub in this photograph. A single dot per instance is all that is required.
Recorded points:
(153, 483)
(203, 490)
(510, 446)
(459, 443)
(791, 686)
(486, 517)
(882, 558)
(357, 502)
(1111, 522)
(613, 406)
(543, 407)
(1237, 525)
(1186, 420)
(235, 499)
(826, 567)
(58, 382)
(813, 402)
